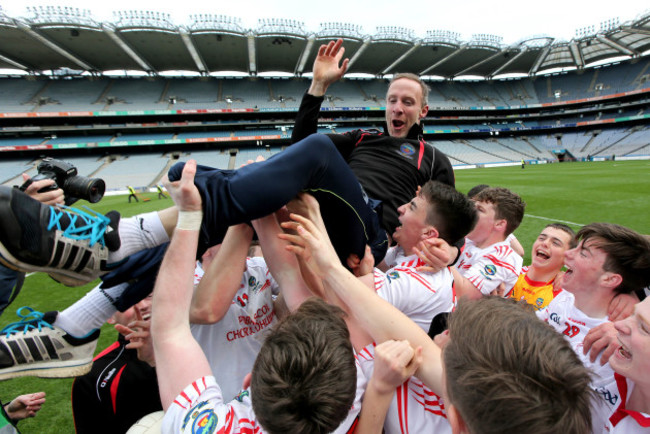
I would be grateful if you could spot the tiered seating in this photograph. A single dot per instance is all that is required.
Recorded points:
(219, 159)
(16, 94)
(10, 170)
(73, 95)
(291, 90)
(247, 93)
(135, 170)
(136, 94)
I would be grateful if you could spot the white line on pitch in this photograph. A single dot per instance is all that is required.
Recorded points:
(554, 220)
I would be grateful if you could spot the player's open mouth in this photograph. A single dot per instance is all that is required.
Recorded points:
(398, 124)
(623, 352)
(146, 316)
(569, 271)
(542, 254)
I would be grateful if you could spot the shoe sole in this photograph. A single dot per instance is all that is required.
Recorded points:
(60, 275)
(45, 371)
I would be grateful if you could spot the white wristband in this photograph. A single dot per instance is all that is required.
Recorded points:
(189, 220)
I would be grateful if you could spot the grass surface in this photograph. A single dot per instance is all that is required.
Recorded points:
(578, 193)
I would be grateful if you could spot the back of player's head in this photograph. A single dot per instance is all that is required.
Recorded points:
(508, 372)
(507, 205)
(566, 229)
(304, 377)
(451, 212)
(476, 190)
(628, 253)
(418, 80)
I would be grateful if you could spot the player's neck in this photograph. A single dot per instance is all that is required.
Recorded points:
(493, 238)
(540, 275)
(639, 399)
(594, 302)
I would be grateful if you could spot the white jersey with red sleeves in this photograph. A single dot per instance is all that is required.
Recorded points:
(414, 408)
(487, 268)
(562, 314)
(231, 345)
(200, 407)
(419, 295)
(622, 420)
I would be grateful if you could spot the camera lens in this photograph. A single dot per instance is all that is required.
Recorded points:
(90, 189)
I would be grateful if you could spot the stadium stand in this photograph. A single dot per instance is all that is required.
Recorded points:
(136, 170)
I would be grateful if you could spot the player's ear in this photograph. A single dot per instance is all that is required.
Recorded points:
(501, 225)
(455, 420)
(247, 381)
(424, 111)
(430, 232)
(612, 280)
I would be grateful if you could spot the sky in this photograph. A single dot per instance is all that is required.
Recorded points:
(513, 20)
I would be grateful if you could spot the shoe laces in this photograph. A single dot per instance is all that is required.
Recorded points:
(30, 321)
(83, 225)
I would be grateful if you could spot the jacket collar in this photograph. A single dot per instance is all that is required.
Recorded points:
(415, 133)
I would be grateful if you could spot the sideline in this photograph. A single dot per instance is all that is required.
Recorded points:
(554, 220)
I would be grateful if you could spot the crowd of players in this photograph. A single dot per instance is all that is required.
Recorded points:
(332, 330)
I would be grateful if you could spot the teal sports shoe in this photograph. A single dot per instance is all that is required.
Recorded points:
(70, 244)
(35, 347)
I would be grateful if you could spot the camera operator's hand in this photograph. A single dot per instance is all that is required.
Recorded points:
(49, 197)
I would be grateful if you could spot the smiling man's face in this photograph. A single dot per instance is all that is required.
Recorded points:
(404, 106)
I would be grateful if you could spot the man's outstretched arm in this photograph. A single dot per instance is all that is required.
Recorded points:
(382, 320)
(180, 360)
(327, 69)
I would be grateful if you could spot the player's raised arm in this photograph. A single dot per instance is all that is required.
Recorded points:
(328, 67)
(180, 360)
(220, 283)
(382, 320)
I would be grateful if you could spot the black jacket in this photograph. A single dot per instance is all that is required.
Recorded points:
(389, 169)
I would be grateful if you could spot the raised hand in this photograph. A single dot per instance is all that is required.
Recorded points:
(328, 67)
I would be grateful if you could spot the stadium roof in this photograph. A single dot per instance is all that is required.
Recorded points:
(62, 38)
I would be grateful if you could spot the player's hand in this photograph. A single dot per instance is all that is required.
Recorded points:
(309, 238)
(621, 306)
(53, 197)
(361, 267)
(328, 67)
(395, 362)
(500, 290)
(139, 336)
(25, 406)
(602, 338)
(435, 253)
(184, 193)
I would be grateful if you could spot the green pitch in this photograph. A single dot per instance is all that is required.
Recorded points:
(574, 193)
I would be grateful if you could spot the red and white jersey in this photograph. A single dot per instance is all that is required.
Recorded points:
(418, 295)
(489, 267)
(622, 420)
(200, 407)
(562, 314)
(414, 408)
(231, 345)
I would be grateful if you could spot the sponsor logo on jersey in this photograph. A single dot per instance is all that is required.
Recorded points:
(489, 271)
(607, 395)
(407, 149)
(555, 318)
(107, 378)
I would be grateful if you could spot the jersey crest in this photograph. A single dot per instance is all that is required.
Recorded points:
(202, 420)
(407, 149)
(489, 271)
